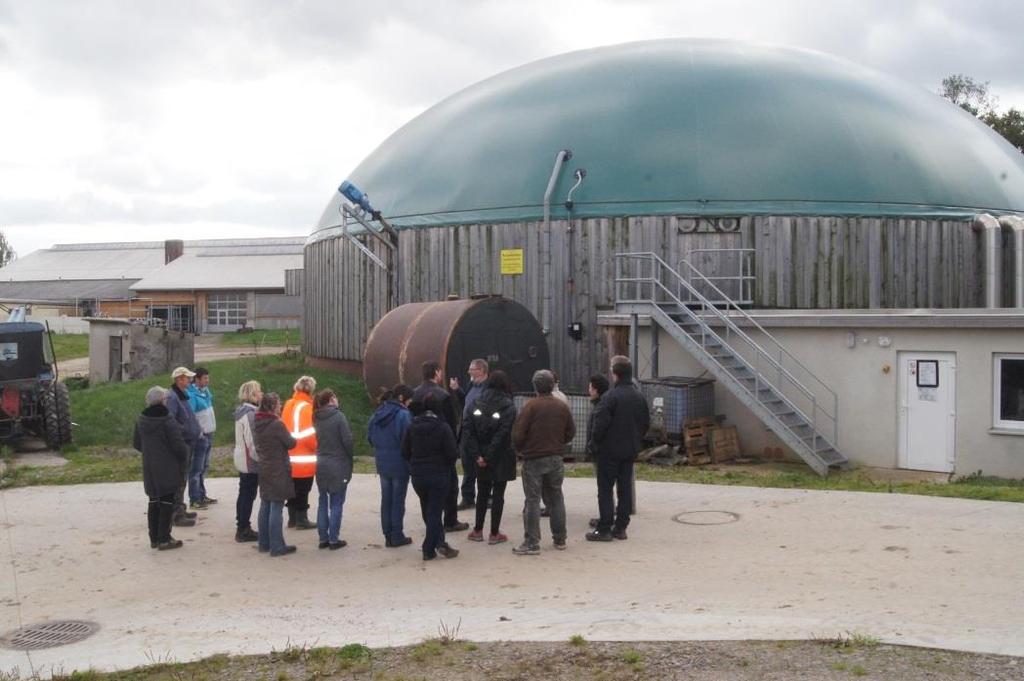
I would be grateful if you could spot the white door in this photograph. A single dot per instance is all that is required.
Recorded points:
(927, 420)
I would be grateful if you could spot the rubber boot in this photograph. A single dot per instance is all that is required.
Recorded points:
(291, 517)
(153, 515)
(302, 521)
(163, 532)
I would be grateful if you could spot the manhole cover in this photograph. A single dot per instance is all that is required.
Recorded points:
(706, 517)
(49, 634)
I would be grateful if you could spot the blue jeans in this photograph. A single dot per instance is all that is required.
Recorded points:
(392, 505)
(328, 514)
(248, 487)
(271, 526)
(197, 472)
(433, 489)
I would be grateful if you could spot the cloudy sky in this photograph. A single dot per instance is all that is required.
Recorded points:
(149, 119)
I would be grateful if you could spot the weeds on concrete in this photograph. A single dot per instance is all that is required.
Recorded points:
(849, 641)
(447, 633)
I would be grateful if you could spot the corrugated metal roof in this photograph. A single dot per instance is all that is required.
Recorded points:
(65, 291)
(690, 127)
(85, 264)
(131, 260)
(198, 272)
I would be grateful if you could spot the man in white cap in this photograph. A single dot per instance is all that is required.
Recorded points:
(177, 404)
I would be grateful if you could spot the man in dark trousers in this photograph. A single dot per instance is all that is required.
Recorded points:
(620, 422)
(445, 408)
(478, 372)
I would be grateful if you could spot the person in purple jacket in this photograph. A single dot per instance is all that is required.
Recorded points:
(385, 432)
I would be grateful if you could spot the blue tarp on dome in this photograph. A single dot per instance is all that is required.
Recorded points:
(690, 127)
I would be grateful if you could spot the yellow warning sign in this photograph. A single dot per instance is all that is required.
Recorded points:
(512, 261)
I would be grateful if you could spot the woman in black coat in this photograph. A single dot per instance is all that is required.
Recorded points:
(164, 452)
(489, 441)
(429, 447)
(275, 474)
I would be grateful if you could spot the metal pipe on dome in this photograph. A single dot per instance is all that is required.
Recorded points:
(574, 329)
(989, 227)
(560, 158)
(1015, 224)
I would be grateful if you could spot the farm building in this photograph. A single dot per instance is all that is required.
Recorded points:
(206, 285)
(841, 251)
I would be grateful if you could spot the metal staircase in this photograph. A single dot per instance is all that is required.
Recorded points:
(797, 405)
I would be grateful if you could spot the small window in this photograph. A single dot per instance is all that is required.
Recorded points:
(1009, 391)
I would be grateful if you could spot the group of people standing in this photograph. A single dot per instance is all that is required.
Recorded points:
(417, 434)
(489, 438)
(279, 450)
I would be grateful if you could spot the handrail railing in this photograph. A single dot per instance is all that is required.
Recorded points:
(744, 275)
(774, 359)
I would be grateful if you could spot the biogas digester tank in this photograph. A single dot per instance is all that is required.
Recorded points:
(453, 332)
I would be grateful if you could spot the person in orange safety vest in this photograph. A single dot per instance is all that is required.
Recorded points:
(298, 417)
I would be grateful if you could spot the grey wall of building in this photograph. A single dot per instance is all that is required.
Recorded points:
(146, 350)
(865, 377)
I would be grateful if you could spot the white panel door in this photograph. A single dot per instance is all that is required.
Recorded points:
(927, 404)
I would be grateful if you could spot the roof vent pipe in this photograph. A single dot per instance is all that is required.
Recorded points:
(560, 159)
(1015, 224)
(989, 227)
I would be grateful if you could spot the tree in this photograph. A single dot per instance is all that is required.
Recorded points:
(1010, 125)
(968, 94)
(974, 97)
(7, 253)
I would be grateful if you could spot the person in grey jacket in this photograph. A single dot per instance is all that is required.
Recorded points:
(275, 474)
(334, 450)
(177, 403)
(164, 451)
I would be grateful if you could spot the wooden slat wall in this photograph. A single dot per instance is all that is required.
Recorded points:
(800, 262)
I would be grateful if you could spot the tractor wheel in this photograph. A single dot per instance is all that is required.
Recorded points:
(56, 407)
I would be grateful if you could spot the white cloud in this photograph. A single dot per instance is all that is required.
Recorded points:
(153, 120)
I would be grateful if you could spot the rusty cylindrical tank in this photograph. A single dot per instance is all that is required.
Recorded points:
(453, 332)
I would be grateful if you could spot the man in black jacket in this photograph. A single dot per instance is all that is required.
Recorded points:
(445, 409)
(620, 422)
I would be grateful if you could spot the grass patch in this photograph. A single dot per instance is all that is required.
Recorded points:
(427, 650)
(70, 345)
(260, 338)
(798, 476)
(106, 413)
(577, 640)
(355, 652)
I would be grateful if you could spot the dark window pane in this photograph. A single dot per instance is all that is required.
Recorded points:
(1011, 390)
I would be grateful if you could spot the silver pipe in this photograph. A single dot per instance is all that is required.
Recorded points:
(560, 158)
(1015, 224)
(989, 227)
(570, 289)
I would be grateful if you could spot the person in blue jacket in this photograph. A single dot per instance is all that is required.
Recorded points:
(385, 432)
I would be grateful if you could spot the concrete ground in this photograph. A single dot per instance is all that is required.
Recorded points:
(701, 563)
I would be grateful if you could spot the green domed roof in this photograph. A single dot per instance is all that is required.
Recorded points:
(695, 127)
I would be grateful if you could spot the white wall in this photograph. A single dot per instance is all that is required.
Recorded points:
(865, 378)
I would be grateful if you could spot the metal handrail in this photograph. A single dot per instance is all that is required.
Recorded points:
(730, 325)
(745, 277)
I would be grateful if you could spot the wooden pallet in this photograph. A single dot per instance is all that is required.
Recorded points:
(725, 444)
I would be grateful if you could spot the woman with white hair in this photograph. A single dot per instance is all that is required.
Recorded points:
(164, 454)
(249, 396)
(298, 417)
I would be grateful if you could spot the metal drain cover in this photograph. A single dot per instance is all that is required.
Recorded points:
(49, 634)
(706, 517)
